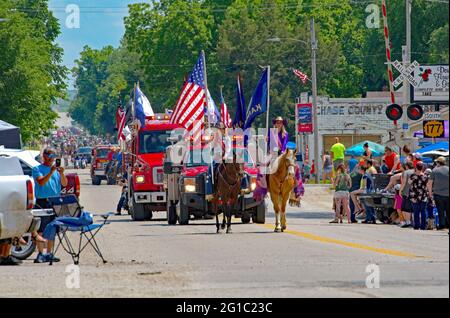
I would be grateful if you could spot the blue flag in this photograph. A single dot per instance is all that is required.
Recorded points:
(143, 108)
(241, 109)
(258, 103)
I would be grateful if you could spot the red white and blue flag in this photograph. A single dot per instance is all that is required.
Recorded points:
(303, 77)
(120, 122)
(224, 114)
(190, 108)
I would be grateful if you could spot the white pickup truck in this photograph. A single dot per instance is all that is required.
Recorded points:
(16, 201)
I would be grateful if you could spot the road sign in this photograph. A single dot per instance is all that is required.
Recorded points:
(433, 82)
(406, 73)
(433, 129)
(433, 116)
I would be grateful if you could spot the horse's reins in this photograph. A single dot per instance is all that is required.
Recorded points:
(230, 186)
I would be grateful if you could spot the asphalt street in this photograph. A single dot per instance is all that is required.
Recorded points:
(313, 259)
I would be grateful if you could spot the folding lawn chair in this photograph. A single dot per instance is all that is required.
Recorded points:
(72, 218)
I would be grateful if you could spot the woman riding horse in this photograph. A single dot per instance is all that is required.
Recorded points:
(281, 138)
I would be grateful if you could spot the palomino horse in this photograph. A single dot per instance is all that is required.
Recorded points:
(281, 184)
(228, 177)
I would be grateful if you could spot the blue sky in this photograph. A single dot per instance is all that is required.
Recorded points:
(101, 24)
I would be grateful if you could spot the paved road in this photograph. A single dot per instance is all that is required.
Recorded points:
(314, 259)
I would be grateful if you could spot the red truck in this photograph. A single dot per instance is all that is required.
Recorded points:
(186, 189)
(145, 166)
(99, 162)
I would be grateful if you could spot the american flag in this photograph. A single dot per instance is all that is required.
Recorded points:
(224, 114)
(190, 108)
(120, 121)
(303, 77)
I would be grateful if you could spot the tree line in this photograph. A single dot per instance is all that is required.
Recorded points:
(32, 76)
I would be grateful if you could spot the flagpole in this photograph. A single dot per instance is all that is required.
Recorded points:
(205, 76)
(268, 106)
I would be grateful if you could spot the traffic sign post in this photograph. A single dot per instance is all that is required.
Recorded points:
(406, 73)
(434, 129)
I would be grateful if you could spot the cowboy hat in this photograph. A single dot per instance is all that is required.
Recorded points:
(279, 118)
(441, 160)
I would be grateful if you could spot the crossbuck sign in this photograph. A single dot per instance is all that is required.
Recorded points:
(406, 73)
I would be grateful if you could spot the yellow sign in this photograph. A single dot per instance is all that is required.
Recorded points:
(433, 129)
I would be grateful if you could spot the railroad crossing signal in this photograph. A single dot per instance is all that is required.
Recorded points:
(406, 73)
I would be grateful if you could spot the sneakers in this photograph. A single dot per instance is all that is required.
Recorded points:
(41, 258)
(402, 224)
(406, 225)
(52, 258)
(334, 222)
(9, 261)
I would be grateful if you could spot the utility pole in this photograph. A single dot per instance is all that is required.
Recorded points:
(407, 52)
(315, 107)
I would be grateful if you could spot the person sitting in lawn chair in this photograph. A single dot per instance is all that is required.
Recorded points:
(72, 218)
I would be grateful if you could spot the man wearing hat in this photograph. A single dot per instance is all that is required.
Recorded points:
(281, 136)
(438, 190)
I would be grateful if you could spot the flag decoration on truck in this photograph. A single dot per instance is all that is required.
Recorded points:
(189, 110)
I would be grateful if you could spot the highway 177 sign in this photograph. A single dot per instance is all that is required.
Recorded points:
(406, 73)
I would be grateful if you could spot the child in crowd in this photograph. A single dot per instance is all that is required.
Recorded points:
(398, 204)
(306, 172)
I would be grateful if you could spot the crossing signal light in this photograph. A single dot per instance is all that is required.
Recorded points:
(394, 112)
(415, 112)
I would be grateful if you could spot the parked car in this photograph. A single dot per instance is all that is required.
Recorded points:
(16, 201)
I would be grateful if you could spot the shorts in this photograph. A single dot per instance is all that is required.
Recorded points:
(407, 205)
(328, 169)
(45, 220)
(337, 163)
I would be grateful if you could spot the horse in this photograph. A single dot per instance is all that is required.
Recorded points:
(281, 184)
(227, 182)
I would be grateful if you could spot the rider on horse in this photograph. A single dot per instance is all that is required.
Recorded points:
(280, 136)
(223, 141)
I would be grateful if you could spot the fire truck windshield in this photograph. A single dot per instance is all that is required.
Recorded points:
(151, 142)
(102, 153)
(195, 158)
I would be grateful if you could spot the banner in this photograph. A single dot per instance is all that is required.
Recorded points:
(305, 118)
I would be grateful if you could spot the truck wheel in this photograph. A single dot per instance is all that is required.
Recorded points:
(171, 214)
(24, 252)
(184, 214)
(137, 212)
(260, 214)
(96, 180)
(148, 213)
(246, 218)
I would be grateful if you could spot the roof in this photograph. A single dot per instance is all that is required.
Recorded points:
(7, 126)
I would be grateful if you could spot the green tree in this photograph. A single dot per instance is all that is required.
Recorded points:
(31, 77)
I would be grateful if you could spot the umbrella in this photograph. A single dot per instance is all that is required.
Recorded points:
(439, 146)
(358, 149)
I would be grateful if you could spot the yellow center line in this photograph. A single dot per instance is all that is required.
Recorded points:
(322, 239)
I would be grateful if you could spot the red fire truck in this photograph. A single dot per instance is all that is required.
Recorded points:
(145, 167)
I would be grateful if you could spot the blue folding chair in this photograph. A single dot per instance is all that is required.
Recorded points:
(72, 218)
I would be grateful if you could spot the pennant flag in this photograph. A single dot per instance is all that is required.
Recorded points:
(303, 77)
(241, 109)
(258, 103)
(224, 114)
(189, 110)
(143, 108)
(212, 113)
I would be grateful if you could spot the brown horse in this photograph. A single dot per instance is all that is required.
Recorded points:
(281, 183)
(227, 183)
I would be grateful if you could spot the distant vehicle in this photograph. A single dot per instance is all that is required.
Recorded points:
(99, 163)
(85, 152)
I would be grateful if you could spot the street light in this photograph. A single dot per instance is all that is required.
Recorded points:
(314, 88)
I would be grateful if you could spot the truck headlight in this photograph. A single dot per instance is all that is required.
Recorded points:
(140, 179)
(190, 185)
